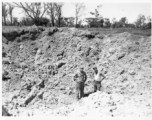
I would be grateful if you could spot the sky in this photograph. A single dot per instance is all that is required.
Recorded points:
(108, 10)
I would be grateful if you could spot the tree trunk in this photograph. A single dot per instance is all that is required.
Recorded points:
(76, 22)
(52, 19)
(11, 19)
(4, 20)
(59, 21)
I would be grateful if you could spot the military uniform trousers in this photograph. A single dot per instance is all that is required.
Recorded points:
(79, 90)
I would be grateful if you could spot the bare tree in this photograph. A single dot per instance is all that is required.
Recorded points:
(35, 10)
(140, 21)
(96, 12)
(79, 11)
(98, 19)
(50, 12)
(4, 13)
(58, 12)
(55, 13)
(10, 12)
(148, 24)
(148, 19)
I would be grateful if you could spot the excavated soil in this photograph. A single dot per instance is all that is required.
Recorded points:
(54, 54)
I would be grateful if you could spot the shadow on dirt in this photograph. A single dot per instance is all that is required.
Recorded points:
(87, 94)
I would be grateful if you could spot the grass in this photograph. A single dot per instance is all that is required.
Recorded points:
(100, 30)
(120, 30)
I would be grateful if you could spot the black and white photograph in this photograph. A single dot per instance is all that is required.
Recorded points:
(76, 59)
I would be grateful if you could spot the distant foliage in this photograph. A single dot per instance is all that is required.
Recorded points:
(10, 12)
(148, 25)
(141, 22)
(123, 21)
(67, 22)
(4, 13)
(27, 21)
(106, 23)
(97, 20)
(44, 21)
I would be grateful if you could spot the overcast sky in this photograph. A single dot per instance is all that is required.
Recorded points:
(108, 10)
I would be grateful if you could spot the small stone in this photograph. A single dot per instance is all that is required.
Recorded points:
(120, 56)
(112, 50)
(69, 92)
(39, 51)
(21, 46)
(36, 48)
(62, 88)
(131, 72)
(100, 36)
(32, 37)
(122, 72)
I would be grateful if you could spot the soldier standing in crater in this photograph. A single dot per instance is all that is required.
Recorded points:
(80, 77)
(98, 78)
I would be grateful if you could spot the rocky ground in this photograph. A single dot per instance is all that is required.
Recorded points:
(50, 56)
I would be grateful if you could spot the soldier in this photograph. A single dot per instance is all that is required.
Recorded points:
(98, 78)
(80, 77)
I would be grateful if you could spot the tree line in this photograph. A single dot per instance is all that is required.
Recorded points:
(35, 12)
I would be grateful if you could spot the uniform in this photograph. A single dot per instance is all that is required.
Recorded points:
(98, 77)
(80, 78)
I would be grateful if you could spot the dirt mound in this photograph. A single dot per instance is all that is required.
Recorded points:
(107, 105)
(54, 54)
(22, 34)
